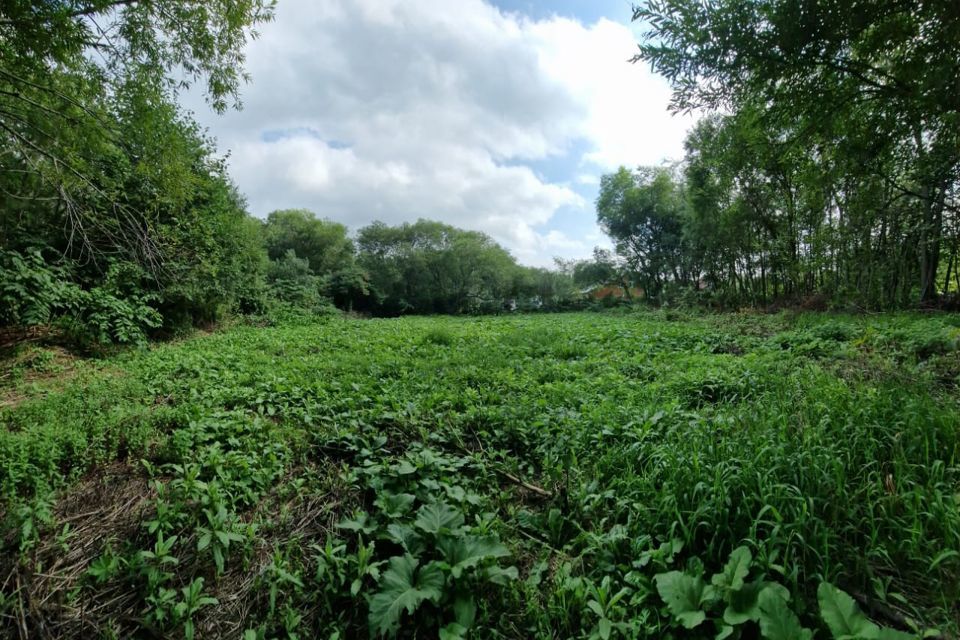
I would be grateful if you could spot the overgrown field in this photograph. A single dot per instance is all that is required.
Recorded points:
(554, 476)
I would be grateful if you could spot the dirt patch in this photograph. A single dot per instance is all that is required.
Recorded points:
(52, 594)
(12, 337)
(305, 520)
(47, 588)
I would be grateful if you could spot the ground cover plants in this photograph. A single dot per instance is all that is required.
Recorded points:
(615, 475)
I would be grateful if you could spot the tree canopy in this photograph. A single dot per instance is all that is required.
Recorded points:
(835, 164)
(87, 95)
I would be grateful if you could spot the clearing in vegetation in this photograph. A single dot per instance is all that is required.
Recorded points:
(554, 476)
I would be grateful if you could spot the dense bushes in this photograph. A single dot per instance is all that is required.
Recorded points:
(116, 216)
(117, 310)
(31, 292)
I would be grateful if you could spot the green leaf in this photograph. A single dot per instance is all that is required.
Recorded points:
(359, 523)
(501, 576)
(743, 605)
(683, 594)
(735, 571)
(396, 504)
(433, 518)
(405, 468)
(465, 610)
(226, 537)
(893, 634)
(944, 556)
(725, 632)
(605, 627)
(405, 536)
(204, 540)
(777, 621)
(469, 551)
(403, 588)
(453, 631)
(842, 614)
(218, 559)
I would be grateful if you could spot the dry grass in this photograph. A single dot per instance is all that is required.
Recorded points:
(53, 597)
(47, 586)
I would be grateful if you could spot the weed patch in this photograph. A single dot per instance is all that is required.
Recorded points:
(586, 475)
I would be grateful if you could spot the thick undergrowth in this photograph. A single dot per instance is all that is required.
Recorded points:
(553, 476)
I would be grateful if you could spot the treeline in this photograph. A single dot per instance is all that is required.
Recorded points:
(831, 170)
(230, 263)
(423, 267)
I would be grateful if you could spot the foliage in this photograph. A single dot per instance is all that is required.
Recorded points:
(691, 602)
(291, 280)
(31, 291)
(583, 475)
(34, 293)
(431, 267)
(102, 167)
(835, 167)
(403, 592)
(643, 213)
(322, 243)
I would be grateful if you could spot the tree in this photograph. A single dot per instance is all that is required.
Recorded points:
(349, 287)
(847, 75)
(604, 269)
(431, 267)
(291, 280)
(172, 42)
(643, 213)
(324, 244)
(74, 73)
(104, 178)
(549, 289)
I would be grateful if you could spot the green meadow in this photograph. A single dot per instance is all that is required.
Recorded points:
(618, 475)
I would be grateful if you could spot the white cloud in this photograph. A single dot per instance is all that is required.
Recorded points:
(588, 178)
(627, 121)
(399, 109)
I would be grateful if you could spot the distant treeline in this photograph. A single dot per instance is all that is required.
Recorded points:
(220, 261)
(423, 267)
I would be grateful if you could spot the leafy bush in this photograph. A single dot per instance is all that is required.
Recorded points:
(100, 317)
(732, 604)
(31, 291)
(118, 311)
(291, 281)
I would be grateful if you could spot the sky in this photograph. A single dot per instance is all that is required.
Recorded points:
(499, 116)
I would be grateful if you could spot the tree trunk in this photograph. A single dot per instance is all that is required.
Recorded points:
(930, 248)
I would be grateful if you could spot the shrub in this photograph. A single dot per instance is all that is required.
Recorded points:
(291, 280)
(31, 291)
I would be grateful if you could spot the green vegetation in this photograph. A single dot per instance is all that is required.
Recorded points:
(119, 222)
(829, 179)
(834, 168)
(303, 473)
(583, 475)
